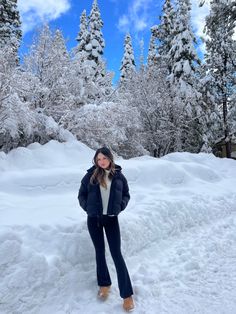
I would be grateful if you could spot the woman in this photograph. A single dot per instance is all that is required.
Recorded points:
(103, 194)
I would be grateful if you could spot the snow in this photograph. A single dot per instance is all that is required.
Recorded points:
(178, 233)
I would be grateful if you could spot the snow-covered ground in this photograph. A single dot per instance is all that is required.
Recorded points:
(178, 234)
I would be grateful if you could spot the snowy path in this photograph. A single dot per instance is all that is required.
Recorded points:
(196, 272)
(178, 235)
(193, 272)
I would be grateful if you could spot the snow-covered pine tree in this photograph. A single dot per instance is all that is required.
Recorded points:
(127, 68)
(220, 59)
(183, 78)
(10, 25)
(82, 70)
(160, 116)
(96, 42)
(82, 50)
(88, 65)
(83, 36)
(102, 77)
(210, 119)
(152, 51)
(182, 51)
(164, 32)
(233, 10)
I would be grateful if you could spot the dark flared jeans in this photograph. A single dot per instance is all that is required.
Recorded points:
(110, 224)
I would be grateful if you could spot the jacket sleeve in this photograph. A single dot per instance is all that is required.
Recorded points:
(83, 193)
(125, 193)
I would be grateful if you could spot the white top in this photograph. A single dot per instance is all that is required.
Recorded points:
(105, 193)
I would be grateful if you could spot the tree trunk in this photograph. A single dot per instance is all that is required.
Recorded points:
(155, 152)
(226, 128)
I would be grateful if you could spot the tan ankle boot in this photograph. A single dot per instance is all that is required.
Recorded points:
(103, 292)
(128, 304)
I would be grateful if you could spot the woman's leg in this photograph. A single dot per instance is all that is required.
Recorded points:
(96, 233)
(112, 229)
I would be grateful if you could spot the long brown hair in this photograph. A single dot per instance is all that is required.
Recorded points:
(99, 173)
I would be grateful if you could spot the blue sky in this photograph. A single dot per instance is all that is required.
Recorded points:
(119, 17)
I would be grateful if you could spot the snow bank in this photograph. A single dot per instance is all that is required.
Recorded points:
(51, 155)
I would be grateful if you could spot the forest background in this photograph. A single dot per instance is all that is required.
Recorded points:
(176, 99)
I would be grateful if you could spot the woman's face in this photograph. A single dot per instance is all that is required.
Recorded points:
(103, 161)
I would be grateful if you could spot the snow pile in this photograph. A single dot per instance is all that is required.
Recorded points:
(178, 233)
(50, 155)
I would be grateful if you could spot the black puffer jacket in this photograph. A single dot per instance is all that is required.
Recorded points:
(90, 196)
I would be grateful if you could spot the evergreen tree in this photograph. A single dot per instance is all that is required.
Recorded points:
(88, 66)
(96, 42)
(165, 31)
(83, 36)
(152, 51)
(233, 10)
(220, 58)
(184, 79)
(10, 25)
(83, 70)
(127, 64)
(182, 52)
(163, 34)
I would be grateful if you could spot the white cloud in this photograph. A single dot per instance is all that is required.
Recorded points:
(141, 24)
(198, 15)
(137, 17)
(34, 12)
(124, 23)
